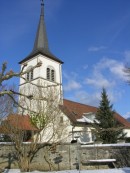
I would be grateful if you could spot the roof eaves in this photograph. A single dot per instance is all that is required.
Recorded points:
(42, 53)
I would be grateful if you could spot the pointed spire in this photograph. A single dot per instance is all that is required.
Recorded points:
(41, 40)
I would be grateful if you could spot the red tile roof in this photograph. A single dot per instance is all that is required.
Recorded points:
(75, 111)
(20, 122)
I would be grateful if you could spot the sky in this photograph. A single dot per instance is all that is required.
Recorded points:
(91, 37)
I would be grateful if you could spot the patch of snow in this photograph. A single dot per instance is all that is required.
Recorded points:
(107, 145)
(11, 171)
(103, 160)
(85, 120)
(121, 170)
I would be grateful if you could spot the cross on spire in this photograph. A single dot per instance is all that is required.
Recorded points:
(42, 7)
(42, 2)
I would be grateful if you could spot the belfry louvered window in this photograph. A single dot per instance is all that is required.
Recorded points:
(29, 75)
(50, 74)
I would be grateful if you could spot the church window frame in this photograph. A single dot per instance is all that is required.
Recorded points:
(30, 74)
(50, 74)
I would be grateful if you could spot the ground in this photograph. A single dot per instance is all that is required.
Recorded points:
(123, 170)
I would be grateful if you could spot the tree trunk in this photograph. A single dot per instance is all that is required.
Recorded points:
(24, 164)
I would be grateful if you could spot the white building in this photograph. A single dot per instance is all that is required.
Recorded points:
(78, 116)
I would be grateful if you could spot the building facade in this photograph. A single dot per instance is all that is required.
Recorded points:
(77, 117)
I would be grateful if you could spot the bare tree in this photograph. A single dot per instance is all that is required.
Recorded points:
(42, 126)
(6, 104)
(6, 107)
(46, 126)
(5, 76)
(9, 95)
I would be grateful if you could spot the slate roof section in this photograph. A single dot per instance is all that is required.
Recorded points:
(41, 42)
(74, 110)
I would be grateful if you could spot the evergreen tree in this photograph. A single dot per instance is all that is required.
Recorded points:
(108, 130)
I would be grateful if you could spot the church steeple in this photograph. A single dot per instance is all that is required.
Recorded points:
(41, 41)
(49, 73)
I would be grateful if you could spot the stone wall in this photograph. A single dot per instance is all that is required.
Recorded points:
(69, 156)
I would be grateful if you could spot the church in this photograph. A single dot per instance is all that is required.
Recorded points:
(78, 117)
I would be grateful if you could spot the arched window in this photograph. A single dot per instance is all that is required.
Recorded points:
(29, 75)
(52, 75)
(50, 72)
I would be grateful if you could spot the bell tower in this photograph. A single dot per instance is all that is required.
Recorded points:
(49, 73)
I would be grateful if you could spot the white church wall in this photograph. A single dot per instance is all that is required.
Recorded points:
(84, 133)
(40, 78)
(38, 97)
(127, 131)
(41, 71)
(56, 131)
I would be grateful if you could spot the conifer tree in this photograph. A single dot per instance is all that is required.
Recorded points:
(108, 130)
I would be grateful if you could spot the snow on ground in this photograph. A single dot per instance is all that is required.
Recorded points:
(123, 170)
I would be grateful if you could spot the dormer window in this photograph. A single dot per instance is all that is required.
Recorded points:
(29, 75)
(50, 72)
